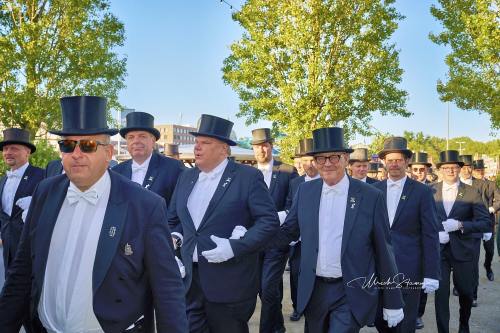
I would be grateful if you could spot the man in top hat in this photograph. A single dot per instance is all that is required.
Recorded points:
(382, 172)
(213, 204)
(297, 161)
(492, 197)
(16, 188)
(419, 166)
(172, 151)
(147, 168)
(334, 291)
(358, 163)
(277, 176)
(413, 229)
(96, 252)
(462, 213)
(311, 173)
(372, 170)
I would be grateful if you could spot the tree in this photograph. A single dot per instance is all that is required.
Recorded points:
(54, 48)
(43, 155)
(306, 64)
(472, 31)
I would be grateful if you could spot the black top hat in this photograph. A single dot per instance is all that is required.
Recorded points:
(329, 139)
(478, 164)
(359, 155)
(449, 157)
(297, 152)
(305, 146)
(395, 144)
(171, 149)
(17, 136)
(84, 115)
(140, 121)
(467, 159)
(215, 127)
(261, 135)
(420, 158)
(373, 167)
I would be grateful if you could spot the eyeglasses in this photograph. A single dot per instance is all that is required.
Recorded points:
(332, 158)
(418, 169)
(86, 146)
(447, 169)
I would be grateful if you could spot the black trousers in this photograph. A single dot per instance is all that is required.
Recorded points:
(411, 298)
(210, 317)
(423, 302)
(463, 279)
(489, 251)
(477, 253)
(328, 310)
(294, 263)
(271, 289)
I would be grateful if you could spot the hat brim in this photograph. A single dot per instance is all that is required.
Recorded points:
(14, 142)
(218, 137)
(332, 150)
(461, 164)
(384, 152)
(353, 160)
(426, 164)
(91, 131)
(258, 142)
(154, 131)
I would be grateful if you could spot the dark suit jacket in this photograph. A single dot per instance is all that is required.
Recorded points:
(370, 180)
(125, 287)
(491, 196)
(469, 208)
(242, 198)
(292, 190)
(54, 168)
(414, 232)
(12, 226)
(366, 247)
(280, 182)
(161, 176)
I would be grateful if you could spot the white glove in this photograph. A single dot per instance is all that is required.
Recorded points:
(182, 269)
(450, 225)
(238, 232)
(293, 243)
(24, 215)
(221, 253)
(492, 210)
(393, 317)
(444, 237)
(24, 203)
(282, 217)
(430, 285)
(487, 236)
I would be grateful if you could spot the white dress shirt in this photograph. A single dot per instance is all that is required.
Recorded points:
(307, 178)
(394, 190)
(449, 196)
(467, 181)
(66, 298)
(139, 170)
(10, 188)
(267, 171)
(331, 227)
(202, 193)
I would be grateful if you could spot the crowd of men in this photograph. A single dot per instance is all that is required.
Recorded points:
(151, 245)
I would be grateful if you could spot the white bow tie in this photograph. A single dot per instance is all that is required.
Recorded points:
(206, 176)
(136, 167)
(333, 190)
(394, 183)
(75, 195)
(13, 174)
(447, 187)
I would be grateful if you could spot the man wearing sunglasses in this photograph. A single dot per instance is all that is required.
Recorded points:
(462, 213)
(413, 229)
(96, 252)
(345, 241)
(149, 169)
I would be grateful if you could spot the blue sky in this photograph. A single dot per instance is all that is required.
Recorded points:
(175, 51)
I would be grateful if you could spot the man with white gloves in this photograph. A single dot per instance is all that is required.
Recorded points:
(414, 232)
(462, 213)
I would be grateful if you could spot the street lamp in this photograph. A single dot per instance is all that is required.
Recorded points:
(460, 148)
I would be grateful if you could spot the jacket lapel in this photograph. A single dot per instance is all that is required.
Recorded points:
(407, 188)
(152, 172)
(458, 199)
(438, 197)
(274, 176)
(128, 170)
(354, 198)
(224, 183)
(314, 202)
(22, 190)
(2, 185)
(111, 230)
(187, 192)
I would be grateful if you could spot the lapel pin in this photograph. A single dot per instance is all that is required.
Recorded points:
(226, 182)
(352, 205)
(461, 194)
(353, 200)
(25, 178)
(150, 179)
(112, 232)
(274, 175)
(128, 250)
(147, 186)
(403, 197)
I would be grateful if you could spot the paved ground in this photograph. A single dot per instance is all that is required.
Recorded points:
(485, 318)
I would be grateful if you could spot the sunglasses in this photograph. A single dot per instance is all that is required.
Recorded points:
(86, 146)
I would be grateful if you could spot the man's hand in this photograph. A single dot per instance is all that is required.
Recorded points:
(393, 317)
(430, 285)
(451, 225)
(444, 237)
(238, 232)
(487, 236)
(221, 253)
(282, 216)
(182, 269)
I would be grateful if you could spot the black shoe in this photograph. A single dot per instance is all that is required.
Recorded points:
(295, 316)
(490, 275)
(455, 291)
(474, 303)
(463, 329)
(287, 269)
(419, 324)
(280, 330)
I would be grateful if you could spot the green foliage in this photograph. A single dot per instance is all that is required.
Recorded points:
(55, 48)
(472, 31)
(43, 155)
(315, 63)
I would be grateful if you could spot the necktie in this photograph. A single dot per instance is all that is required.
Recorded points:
(75, 195)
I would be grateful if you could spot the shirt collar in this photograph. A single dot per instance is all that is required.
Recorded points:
(452, 186)
(307, 178)
(99, 187)
(266, 167)
(144, 165)
(219, 169)
(341, 187)
(399, 183)
(20, 171)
